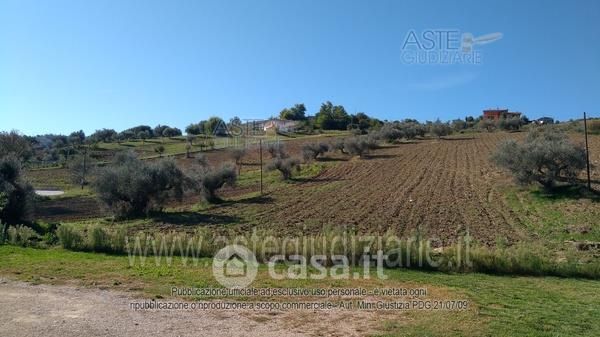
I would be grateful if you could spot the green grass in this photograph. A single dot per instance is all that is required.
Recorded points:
(501, 306)
(555, 219)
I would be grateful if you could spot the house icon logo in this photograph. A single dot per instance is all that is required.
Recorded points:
(234, 266)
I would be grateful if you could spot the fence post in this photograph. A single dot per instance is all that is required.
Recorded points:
(587, 152)
(261, 166)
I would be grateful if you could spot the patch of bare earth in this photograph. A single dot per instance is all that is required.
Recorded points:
(45, 310)
(443, 188)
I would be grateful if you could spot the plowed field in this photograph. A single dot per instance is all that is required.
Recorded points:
(440, 187)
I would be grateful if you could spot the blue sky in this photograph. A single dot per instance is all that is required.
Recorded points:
(69, 65)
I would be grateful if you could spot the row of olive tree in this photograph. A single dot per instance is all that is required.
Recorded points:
(133, 187)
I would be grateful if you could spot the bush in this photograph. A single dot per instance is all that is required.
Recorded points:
(69, 237)
(339, 145)
(389, 133)
(487, 124)
(311, 151)
(285, 166)
(98, 239)
(14, 144)
(212, 180)
(594, 126)
(16, 195)
(510, 124)
(546, 156)
(131, 187)
(171, 132)
(160, 150)
(359, 146)
(277, 150)
(23, 236)
(238, 154)
(3, 232)
(440, 129)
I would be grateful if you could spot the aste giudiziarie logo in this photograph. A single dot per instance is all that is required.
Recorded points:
(444, 46)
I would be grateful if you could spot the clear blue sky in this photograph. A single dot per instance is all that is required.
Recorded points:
(69, 65)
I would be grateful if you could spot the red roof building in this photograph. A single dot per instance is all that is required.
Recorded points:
(497, 114)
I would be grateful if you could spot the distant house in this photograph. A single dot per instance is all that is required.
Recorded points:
(280, 125)
(496, 114)
(544, 120)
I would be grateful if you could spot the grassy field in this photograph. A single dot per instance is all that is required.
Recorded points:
(437, 188)
(499, 306)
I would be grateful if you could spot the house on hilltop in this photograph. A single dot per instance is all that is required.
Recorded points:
(280, 125)
(497, 114)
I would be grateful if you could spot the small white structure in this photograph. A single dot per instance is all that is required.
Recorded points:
(49, 193)
(281, 125)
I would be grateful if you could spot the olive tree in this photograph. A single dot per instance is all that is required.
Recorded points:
(238, 154)
(16, 195)
(286, 166)
(132, 187)
(359, 146)
(311, 151)
(546, 156)
(214, 179)
(389, 133)
(208, 180)
(440, 129)
(16, 144)
(276, 150)
(487, 124)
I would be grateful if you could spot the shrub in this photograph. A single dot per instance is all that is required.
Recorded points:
(3, 232)
(311, 151)
(389, 133)
(487, 124)
(277, 150)
(171, 132)
(69, 237)
(212, 180)
(160, 150)
(98, 239)
(546, 156)
(285, 166)
(131, 187)
(359, 146)
(14, 144)
(458, 125)
(594, 126)
(202, 161)
(238, 154)
(339, 145)
(23, 236)
(440, 129)
(16, 195)
(510, 124)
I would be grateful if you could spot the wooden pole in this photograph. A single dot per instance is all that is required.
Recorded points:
(261, 166)
(84, 166)
(587, 152)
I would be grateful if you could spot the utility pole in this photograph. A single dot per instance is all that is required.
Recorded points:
(261, 165)
(587, 152)
(84, 166)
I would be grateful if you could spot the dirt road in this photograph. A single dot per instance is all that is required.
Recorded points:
(45, 310)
